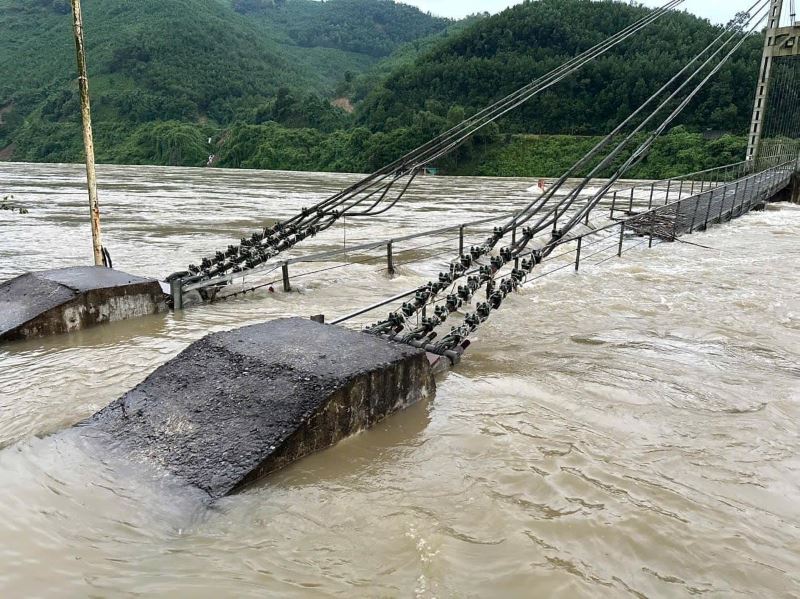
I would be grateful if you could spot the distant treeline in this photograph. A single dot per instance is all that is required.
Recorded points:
(275, 147)
(498, 55)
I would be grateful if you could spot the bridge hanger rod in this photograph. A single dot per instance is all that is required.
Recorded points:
(784, 85)
(782, 168)
(775, 118)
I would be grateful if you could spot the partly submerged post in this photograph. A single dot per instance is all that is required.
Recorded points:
(88, 138)
(390, 258)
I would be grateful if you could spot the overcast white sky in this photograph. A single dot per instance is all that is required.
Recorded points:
(716, 10)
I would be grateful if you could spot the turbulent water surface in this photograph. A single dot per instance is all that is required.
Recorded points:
(630, 430)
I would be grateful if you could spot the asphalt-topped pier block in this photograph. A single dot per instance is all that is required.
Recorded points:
(64, 300)
(237, 406)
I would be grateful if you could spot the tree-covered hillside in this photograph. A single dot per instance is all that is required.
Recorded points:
(372, 27)
(498, 55)
(193, 61)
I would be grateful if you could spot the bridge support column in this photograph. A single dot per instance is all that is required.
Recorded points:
(176, 288)
(762, 90)
(390, 258)
(794, 196)
(287, 286)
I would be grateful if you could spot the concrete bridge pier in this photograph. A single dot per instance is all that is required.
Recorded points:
(64, 300)
(794, 188)
(237, 406)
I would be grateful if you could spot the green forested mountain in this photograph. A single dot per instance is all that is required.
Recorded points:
(192, 61)
(372, 27)
(498, 55)
(258, 77)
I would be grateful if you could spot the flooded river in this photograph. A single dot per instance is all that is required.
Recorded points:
(630, 430)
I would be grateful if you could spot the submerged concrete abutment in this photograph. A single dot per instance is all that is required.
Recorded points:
(65, 300)
(237, 406)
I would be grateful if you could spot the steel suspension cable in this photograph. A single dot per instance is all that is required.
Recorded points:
(451, 139)
(555, 212)
(284, 235)
(645, 146)
(490, 113)
(460, 267)
(734, 29)
(603, 143)
(397, 321)
(565, 71)
(495, 296)
(640, 152)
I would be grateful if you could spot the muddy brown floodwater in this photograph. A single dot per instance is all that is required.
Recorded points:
(630, 430)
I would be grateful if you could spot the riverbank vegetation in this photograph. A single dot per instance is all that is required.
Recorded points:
(349, 85)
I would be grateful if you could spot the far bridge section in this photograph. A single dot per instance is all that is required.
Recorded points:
(718, 205)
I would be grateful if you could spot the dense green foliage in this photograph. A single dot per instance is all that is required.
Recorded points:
(372, 27)
(256, 78)
(676, 153)
(193, 61)
(272, 146)
(358, 87)
(501, 54)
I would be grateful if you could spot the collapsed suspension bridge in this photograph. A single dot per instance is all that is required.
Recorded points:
(252, 400)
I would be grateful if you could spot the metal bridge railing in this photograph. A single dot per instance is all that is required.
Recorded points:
(389, 245)
(659, 193)
(666, 191)
(718, 204)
